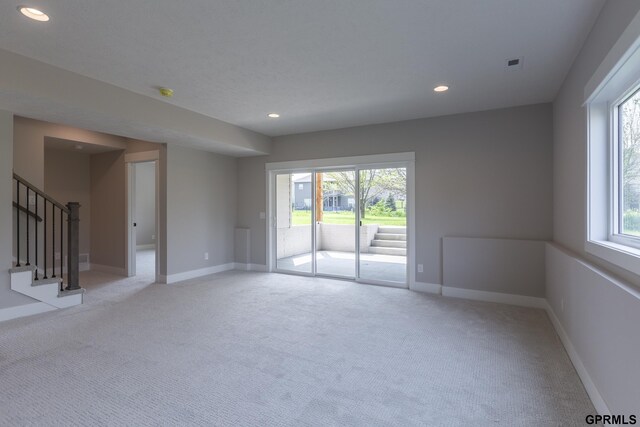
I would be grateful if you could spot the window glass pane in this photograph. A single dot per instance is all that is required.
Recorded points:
(629, 203)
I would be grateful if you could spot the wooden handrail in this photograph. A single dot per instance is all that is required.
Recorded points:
(41, 193)
(27, 211)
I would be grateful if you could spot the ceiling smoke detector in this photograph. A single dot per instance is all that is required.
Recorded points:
(513, 64)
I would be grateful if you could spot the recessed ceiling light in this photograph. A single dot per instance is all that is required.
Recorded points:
(273, 115)
(33, 13)
(441, 88)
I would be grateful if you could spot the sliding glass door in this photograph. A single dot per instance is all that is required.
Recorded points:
(293, 222)
(383, 230)
(336, 223)
(347, 223)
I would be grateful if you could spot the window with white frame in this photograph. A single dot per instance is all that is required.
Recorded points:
(626, 180)
(612, 100)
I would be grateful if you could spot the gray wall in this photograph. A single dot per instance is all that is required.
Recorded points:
(485, 174)
(570, 137)
(67, 178)
(606, 341)
(108, 215)
(201, 209)
(145, 179)
(8, 298)
(28, 145)
(495, 265)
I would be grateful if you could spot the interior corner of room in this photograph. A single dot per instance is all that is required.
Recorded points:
(490, 211)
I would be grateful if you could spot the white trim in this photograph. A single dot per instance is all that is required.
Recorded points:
(472, 294)
(592, 390)
(250, 267)
(108, 269)
(357, 163)
(429, 288)
(24, 310)
(149, 246)
(353, 161)
(192, 274)
(142, 156)
(616, 78)
(623, 256)
(130, 256)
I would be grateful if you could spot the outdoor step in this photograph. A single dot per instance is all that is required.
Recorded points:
(387, 251)
(389, 243)
(392, 230)
(390, 236)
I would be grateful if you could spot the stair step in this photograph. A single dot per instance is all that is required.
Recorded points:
(22, 268)
(47, 281)
(389, 243)
(392, 230)
(390, 236)
(387, 251)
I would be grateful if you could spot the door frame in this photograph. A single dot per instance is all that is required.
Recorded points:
(357, 163)
(130, 160)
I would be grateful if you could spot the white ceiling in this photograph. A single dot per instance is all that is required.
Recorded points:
(320, 64)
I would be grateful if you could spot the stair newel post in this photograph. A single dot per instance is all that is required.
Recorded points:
(28, 240)
(36, 240)
(73, 246)
(18, 224)
(61, 249)
(44, 252)
(53, 240)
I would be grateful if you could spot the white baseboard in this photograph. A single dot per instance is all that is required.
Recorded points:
(108, 269)
(430, 288)
(186, 275)
(250, 267)
(149, 246)
(24, 310)
(521, 300)
(592, 391)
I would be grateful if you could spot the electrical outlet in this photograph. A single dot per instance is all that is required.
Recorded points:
(206, 255)
(153, 237)
(420, 268)
(263, 215)
(32, 200)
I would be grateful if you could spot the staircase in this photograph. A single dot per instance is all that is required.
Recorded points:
(45, 290)
(42, 246)
(390, 241)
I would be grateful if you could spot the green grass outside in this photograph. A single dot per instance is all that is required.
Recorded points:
(304, 218)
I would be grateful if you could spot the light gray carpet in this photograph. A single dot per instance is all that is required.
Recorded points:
(260, 349)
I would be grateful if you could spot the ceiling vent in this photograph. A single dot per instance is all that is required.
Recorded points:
(514, 64)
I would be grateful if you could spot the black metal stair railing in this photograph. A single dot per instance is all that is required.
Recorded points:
(28, 246)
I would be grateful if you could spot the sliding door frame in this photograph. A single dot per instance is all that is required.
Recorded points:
(357, 163)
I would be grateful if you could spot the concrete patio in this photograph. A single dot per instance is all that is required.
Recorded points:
(336, 263)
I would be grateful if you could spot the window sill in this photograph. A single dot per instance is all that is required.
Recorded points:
(623, 256)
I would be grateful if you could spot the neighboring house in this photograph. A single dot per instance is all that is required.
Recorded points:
(334, 200)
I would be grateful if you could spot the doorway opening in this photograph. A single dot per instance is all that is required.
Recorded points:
(142, 216)
(344, 222)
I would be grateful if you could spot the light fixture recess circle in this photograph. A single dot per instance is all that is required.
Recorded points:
(33, 13)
